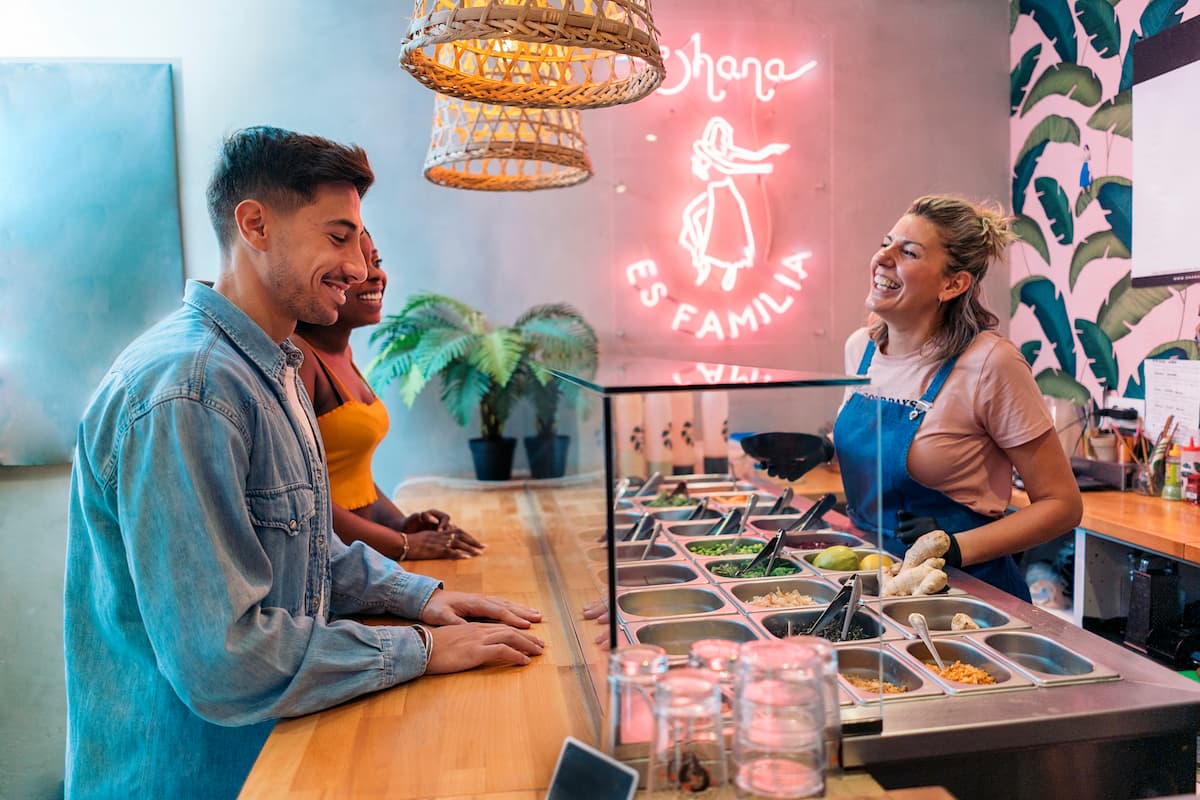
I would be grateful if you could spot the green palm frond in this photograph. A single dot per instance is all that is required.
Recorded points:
(441, 347)
(413, 383)
(498, 354)
(463, 388)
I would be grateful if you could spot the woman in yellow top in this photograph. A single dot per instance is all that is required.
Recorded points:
(353, 421)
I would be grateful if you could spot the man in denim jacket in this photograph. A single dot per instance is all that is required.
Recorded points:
(203, 577)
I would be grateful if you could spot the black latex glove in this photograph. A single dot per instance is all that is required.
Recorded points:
(909, 528)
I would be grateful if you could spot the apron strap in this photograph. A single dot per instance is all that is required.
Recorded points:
(935, 386)
(868, 354)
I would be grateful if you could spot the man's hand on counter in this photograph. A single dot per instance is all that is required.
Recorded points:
(480, 644)
(453, 608)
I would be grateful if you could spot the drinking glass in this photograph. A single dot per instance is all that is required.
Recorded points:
(720, 656)
(779, 721)
(687, 746)
(632, 673)
(830, 697)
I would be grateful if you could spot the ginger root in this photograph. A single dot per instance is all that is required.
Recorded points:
(932, 545)
(925, 578)
(963, 622)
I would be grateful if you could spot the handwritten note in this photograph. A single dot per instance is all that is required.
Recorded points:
(1173, 389)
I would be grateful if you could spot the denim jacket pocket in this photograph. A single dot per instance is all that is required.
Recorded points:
(290, 509)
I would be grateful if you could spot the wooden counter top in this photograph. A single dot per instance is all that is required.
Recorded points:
(1164, 526)
(490, 734)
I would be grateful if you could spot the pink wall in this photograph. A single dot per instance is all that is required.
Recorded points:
(1072, 304)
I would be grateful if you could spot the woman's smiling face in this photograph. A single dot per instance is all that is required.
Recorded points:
(909, 273)
(364, 301)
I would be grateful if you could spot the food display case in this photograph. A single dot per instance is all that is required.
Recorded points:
(1027, 706)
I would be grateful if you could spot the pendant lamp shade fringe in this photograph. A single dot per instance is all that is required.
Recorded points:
(504, 149)
(535, 53)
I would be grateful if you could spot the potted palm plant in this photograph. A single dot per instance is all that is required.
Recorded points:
(435, 335)
(557, 337)
(488, 369)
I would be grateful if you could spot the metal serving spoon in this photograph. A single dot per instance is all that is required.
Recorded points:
(918, 623)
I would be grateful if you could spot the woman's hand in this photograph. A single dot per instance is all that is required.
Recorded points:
(432, 535)
(451, 608)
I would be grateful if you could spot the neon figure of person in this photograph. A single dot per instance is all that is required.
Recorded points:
(716, 225)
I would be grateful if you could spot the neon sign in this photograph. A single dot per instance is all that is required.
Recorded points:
(737, 285)
(698, 64)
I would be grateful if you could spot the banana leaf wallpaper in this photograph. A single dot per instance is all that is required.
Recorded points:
(1075, 314)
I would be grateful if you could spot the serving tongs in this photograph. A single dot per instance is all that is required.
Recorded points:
(918, 623)
(851, 605)
(731, 521)
(619, 492)
(768, 555)
(840, 600)
(650, 542)
(638, 526)
(780, 504)
(741, 530)
(814, 513)
(650, 487)
(698, 511)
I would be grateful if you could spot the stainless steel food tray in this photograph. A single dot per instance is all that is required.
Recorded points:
(874, 662)
(938, 612)
(636, 605)
(706, 564)
(958, 648)
(668, 573)
(740, 592)
(675, 636)
(1046, 661)
(632, 552)
(773, 623)
(686, 546)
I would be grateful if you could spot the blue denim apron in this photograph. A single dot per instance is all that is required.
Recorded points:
(868, 494)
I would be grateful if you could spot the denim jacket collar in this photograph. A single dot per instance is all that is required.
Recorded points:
(270, 356)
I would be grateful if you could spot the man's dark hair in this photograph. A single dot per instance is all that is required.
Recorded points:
(282, 169)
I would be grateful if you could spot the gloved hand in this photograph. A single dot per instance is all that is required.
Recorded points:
(909, 528)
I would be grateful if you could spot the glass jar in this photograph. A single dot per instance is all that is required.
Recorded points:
(632, 674)
(779, 721)
(687, 746)
(830, 697)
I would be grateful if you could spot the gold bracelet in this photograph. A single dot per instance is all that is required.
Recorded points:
(404, 552)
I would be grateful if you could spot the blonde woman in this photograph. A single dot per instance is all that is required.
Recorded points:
(958, 405)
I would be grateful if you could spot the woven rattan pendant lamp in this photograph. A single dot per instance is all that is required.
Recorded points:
(535, 53)
(505, 149)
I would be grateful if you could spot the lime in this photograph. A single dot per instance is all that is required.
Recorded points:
(839, 557)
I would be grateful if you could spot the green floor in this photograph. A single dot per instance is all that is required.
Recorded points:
(33, 529)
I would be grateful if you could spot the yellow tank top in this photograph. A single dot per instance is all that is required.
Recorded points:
(351, 433)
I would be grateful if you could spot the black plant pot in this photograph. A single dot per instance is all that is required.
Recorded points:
(547, 455)
(493, 458)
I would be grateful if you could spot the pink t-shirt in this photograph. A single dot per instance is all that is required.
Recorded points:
(989, 402)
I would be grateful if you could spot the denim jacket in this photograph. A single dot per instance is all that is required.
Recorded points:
(203, 578)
